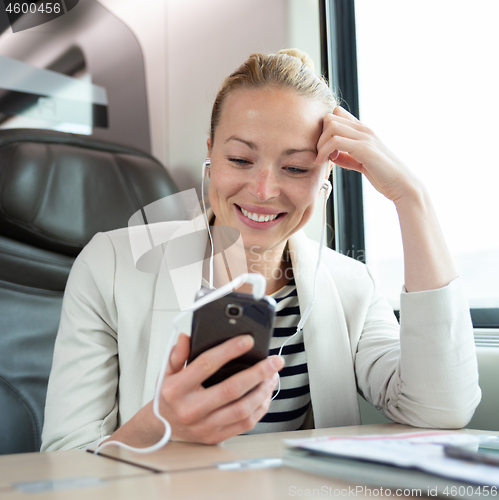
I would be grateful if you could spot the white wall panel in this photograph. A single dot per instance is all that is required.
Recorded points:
(189, 47)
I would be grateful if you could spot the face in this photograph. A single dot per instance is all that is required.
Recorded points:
(263, 176)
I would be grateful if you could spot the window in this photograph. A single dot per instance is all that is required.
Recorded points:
(427, 85)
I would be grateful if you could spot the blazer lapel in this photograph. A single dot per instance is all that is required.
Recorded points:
(175, 290)
(331, 371)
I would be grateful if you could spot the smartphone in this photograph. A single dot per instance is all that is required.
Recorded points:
(232, 315)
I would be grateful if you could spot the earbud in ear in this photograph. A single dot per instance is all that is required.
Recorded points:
(206, 164)
(327, 187)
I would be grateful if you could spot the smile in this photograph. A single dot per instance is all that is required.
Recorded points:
(258, 218)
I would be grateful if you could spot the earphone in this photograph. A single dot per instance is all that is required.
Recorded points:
(327, 187)
(207, 164)
(259, 284)
(258, 290)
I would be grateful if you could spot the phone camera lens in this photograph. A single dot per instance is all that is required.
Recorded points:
(234, 311)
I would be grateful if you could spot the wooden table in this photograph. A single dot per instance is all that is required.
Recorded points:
(178, 457)
(71, 469)
(180, 470)
(207, 484)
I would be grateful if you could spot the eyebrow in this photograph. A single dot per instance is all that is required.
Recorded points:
(250, 144)
(287, 152)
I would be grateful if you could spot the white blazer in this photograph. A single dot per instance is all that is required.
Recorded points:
(116, 322)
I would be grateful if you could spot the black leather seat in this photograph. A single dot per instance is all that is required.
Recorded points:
(56, 191)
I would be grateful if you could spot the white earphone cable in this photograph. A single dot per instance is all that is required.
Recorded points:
(308, 310)
(206, 164)
(259, 284)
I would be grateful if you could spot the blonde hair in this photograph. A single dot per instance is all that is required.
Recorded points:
(289, 68)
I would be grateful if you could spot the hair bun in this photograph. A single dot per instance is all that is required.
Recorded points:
(299, 54)
(288, 69)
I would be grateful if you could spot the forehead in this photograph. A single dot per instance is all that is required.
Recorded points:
(271, 115)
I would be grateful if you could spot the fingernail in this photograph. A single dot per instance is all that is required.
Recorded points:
(246, 341)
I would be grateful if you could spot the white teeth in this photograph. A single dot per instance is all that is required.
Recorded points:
(256, 218)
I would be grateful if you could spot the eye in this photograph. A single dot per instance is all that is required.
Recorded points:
(296, 170)
(239, 161)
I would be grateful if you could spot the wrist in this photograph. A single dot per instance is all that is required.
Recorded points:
(150, 425)
(142, 430)
(415, 197)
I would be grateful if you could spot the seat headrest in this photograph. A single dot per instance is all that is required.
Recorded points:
(57, 190)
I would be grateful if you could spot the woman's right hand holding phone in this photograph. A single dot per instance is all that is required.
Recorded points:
(206, 415)
(214, 414)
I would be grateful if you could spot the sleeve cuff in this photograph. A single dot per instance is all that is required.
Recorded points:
(437, 314)
(404, 289)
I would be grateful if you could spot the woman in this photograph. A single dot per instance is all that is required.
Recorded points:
(275, 131)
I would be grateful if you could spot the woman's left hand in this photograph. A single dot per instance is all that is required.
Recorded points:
(352, 145)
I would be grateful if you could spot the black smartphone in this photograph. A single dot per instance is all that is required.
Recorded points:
(224, 318)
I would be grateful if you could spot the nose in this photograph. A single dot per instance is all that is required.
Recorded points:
(264, 184)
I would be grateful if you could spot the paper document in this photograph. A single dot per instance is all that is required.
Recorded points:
(419, 450)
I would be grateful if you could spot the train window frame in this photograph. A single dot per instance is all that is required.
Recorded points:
(345, 210)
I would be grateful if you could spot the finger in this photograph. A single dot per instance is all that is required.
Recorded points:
(339, 111)
(334, 128)
(244, 407)
(247, 424)
(340, 144)
(349, 120)
(179, 354)
(240, 416)
(344, 160)
(210, 361)
(239, 384)
(185, 385)
(212, 399)
(332, 120)
(334, 155)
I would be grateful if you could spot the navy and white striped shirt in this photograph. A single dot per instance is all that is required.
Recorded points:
(287, 412)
